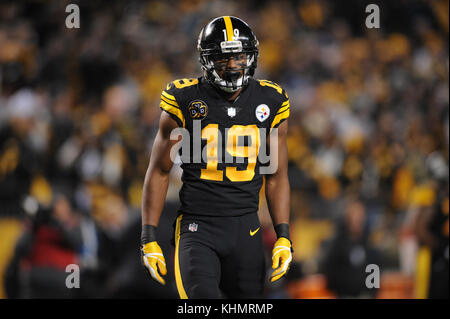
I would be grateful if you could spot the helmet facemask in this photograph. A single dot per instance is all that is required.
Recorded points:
(214, 61)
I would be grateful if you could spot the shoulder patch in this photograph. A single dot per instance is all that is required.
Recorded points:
(262, 112)
(198, 109)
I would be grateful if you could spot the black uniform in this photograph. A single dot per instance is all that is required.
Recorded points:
(218, 249)
(439, 281)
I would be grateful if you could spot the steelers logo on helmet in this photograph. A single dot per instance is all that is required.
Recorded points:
(198, 109)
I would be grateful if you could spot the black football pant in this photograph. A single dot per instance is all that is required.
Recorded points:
(219, 257)
(438, 285)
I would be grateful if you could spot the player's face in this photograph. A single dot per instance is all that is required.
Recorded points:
(232, 62)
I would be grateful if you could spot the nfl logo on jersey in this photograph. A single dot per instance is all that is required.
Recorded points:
(231, 112)
(193, 227)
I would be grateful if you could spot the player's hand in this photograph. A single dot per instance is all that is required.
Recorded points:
(154, 262)
(281, 258)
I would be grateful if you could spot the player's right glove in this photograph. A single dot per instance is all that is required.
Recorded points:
(151, 254)
(281, 252)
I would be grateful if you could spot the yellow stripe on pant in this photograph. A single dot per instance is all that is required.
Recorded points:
(178, 279)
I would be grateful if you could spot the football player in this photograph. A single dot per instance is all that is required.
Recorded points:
(218, 243)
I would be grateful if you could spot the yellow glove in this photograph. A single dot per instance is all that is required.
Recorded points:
(151, 257)
(281, 258)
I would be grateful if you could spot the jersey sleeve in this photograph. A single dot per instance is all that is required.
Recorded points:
(170, 105)
(282, 111)
(281, 115)
(278, 102)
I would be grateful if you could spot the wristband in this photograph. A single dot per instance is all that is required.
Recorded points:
(282, 230)
(148, 234)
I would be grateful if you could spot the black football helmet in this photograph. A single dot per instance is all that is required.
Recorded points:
(223, 37)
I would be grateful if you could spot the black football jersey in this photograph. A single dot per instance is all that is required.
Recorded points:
(222, 162)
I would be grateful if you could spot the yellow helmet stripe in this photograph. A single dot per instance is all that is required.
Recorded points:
(229, 28)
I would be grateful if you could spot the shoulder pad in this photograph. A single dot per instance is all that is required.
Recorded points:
(282, 105)
(171, 99)
(274, 86)
(181, 83)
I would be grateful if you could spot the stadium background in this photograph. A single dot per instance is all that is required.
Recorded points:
(368, 138)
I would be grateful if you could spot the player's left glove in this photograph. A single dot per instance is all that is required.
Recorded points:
(281, 253)
(281, 258)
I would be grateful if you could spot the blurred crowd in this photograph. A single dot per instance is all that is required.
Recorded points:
(368, 140)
